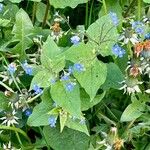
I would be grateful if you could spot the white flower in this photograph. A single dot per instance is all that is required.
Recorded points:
(130, 86)
(128, 36)
(148, 91)
(10, 119)
(9, 147)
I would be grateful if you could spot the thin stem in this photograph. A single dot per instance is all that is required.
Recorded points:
(46, 13)
(41, 131)
(86, 14)
(90, 16)
(34, 11)
(16, 130)
(139, 9)
(33, 98)
(105, 7)
(7, 87)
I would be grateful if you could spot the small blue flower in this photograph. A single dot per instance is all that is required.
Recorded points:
(52, 81)
(147, 36)
(65, 77)
(12, 68)
(28, 69)
(69, 86)
(118, 51)
(1, 7)
(138, 27)
(75, 39)
(28, 112)
(52, 121)
(37, 89)
(70, 69)
(79, 67)
(114, 18)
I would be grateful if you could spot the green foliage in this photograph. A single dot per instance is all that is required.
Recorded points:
(71, 137)
(102, 35)
(65, 3)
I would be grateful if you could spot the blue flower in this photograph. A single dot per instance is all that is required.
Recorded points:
(114, 18)
(12, 68)
(69, 86)
(37, 89)
(52, 121)
(52, 81)
(147, 36)
(65, 77)
(138, 27)
(118, 51)
(28, 70)
(28, 112)
(75, 39)
(70, 69)
(79, 67)
(1, 7)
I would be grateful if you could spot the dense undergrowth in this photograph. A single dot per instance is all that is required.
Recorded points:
(74, 74)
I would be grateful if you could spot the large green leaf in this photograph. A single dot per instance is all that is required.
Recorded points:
(86, 103)
(40, 115)
(92, 78)
(114, 77)
(67, 140)
(102, 35)
(69, 100)
(79, 53)
(133, 111)
(65, 3)
(22, 30)
(42, 78)
(77, 125)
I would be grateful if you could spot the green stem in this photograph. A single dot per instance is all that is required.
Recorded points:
(33, 98)
(139, 8)
(46, 13)
(41, 131)
(7, 87)
(90, 16)
(86, 15)
(16, 130)
(34, 12)
(105, 7)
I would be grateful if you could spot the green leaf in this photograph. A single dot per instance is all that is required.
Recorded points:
(4, 22)
(112, 6)
(42, 78)
(15, 1)
(102, 35)
(49, 50)
(76, 125)
(40, 114)
(114, 76)
(67, 140)
(79, 53)
(146, 1)
(133, 111)
(70, 101)
(40, 12)
(65, 3)
(92, 78)
(86, 103)
(22, 30)
(63, 118)
(3, 101)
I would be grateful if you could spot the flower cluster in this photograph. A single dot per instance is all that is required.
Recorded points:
(52, 121)
(114, 18)
(27, 68)
(138, 27)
